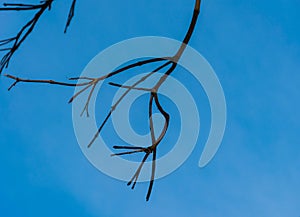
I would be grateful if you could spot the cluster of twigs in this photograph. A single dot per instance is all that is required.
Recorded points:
(11, 45)
(168, 64)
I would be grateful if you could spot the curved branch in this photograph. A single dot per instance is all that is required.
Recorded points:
(28, 27)
(92, 82)
(25, 30)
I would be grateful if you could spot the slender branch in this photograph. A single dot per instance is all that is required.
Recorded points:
(190, 31)
(114, 106)
(99, 129)
(24, 80)
(70, 15)
(129, 87)
(126, 153)
(152, 175)
(86, 107)
(138, 171)
(79, 92)
(91, 83)
(155, 142)
(20, 7)
(127, 147)
(25, 30)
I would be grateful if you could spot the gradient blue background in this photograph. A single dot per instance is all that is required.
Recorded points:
(254, 48)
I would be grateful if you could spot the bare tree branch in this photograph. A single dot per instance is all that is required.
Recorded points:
(16, 41)
(25, 30)
(70, 15)
(89, 84)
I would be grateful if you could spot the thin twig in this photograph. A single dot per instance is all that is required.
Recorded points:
(129, 87)
(114, 106)
(70, 15)
(20, 7)
(18, 80)
(25, 30)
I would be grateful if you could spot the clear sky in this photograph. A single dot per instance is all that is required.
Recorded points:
(254, 48)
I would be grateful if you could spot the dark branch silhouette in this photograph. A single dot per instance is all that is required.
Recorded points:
(11, 45)
(71, 15)
(168, 64)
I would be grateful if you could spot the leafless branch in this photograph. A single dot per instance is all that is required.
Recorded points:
(12, 44)
(89, 84)
(15, 42)
(71, 15)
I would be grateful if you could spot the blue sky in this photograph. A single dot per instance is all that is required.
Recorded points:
(254, 48)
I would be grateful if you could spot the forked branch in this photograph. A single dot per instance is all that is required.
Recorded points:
(12, 44)
(168, 64)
